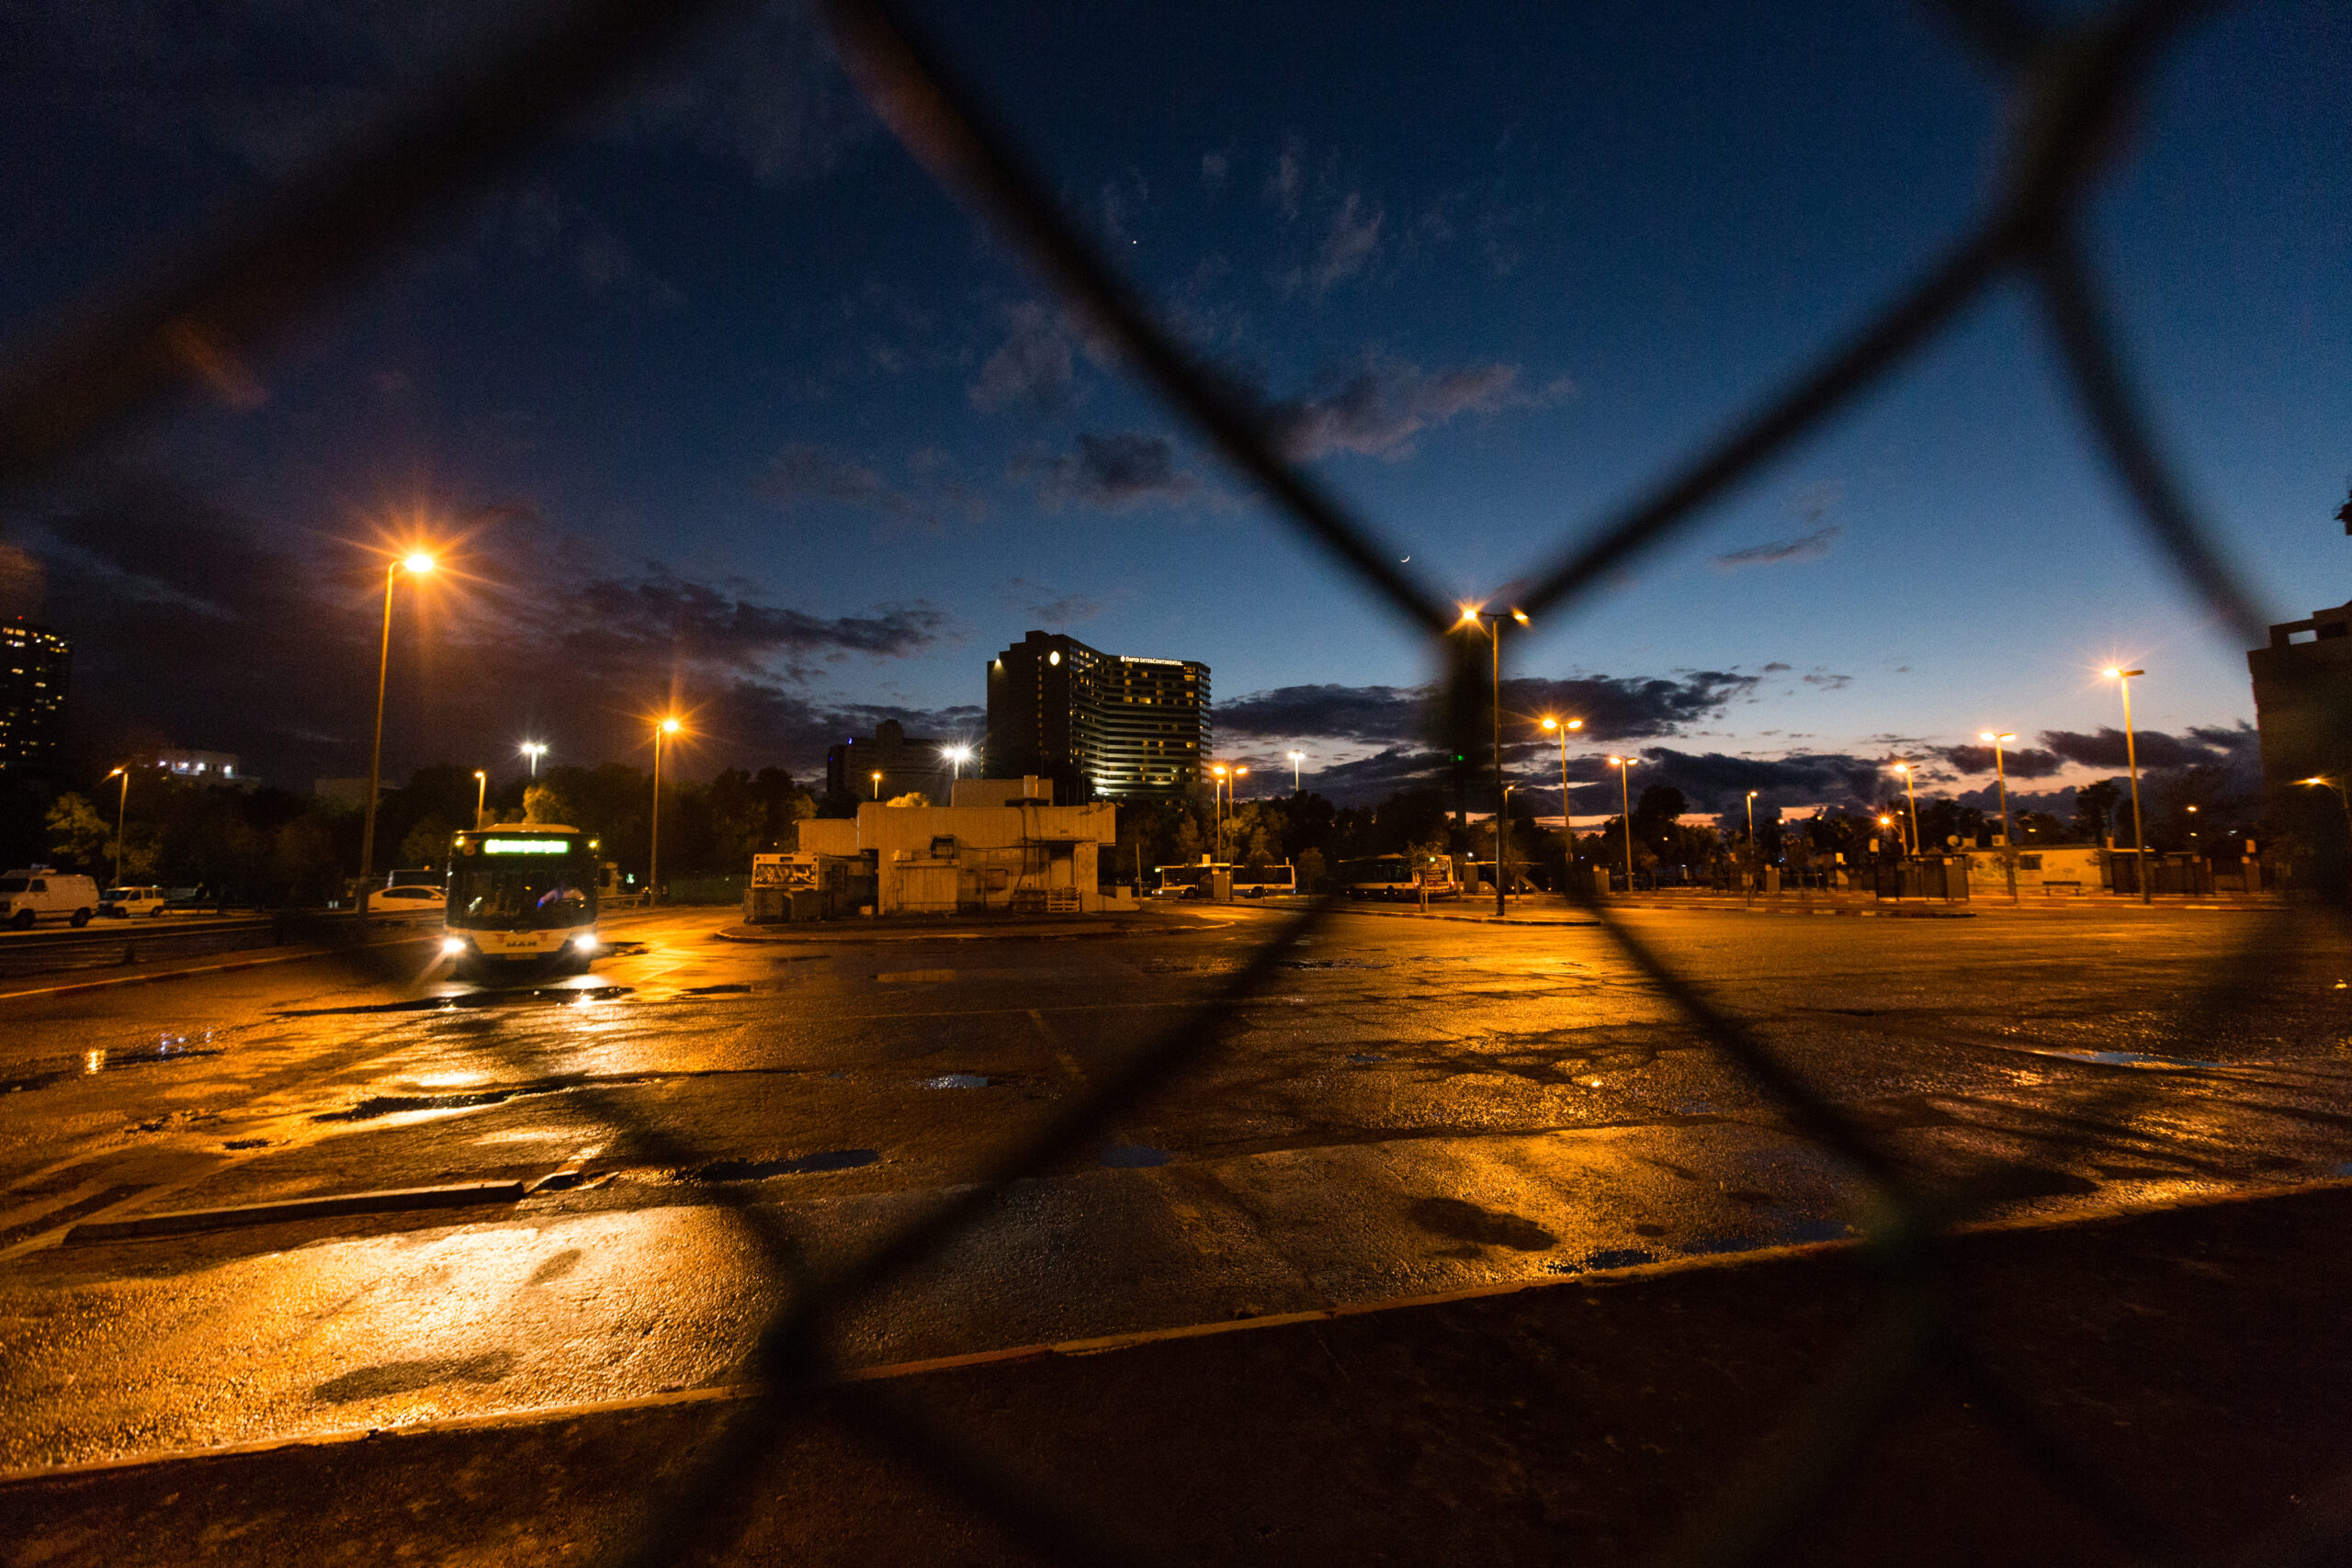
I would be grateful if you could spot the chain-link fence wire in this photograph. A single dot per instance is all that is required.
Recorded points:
(2074, 87)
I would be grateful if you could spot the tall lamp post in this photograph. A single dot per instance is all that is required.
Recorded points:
(1568, 827)
(956, 757)
(2122, 678)
(1296, 759)
(1747, 883)
(1472, 615)
(1625, 794)
(1911, 789)
(1216, 807)
(121, 807)
(2008, 839)
(416, 564)
(661, 731)
(535, 749)
(481, 797)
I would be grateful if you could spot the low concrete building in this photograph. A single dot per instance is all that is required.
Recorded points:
(971, 859)
(2045, 870)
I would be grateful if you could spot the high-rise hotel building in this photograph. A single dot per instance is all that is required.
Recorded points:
(34, 662)
(1101, 726)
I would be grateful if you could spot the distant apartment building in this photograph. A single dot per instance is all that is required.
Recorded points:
(1101, 726)
(34, 665)
(205, 767)
(908, 764)
(2303, 702)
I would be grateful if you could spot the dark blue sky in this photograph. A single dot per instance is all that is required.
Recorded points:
(725, 396)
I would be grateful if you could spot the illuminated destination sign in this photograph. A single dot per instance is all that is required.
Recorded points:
(526, 846)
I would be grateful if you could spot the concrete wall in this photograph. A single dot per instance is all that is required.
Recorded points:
(939, 859)
(2043, 871)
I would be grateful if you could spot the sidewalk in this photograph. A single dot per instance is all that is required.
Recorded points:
(2195, 1356)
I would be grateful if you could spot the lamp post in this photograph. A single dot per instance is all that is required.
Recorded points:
(1295, 757)
(416, 564)
(1217, 807)
(2008, 839)
(877, 783)
(2122, 678)
(534, 750)
(1911, 789)
(956, 757)
(481, 796)
(1625, 794)
(1493, 626)
(121, 807)
(668, 727)
(1747, 883)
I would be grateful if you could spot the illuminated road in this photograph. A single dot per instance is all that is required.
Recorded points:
(1412, 1107)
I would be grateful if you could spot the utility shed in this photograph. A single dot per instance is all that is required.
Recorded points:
(940, 860)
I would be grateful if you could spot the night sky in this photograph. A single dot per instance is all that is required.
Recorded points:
(718, 400)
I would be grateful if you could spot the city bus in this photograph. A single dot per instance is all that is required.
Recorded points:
(1391, 876)
(522, 897)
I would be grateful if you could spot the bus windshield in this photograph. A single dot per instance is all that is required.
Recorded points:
(511, 883)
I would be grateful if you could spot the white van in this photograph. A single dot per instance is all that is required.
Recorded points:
(38, 892)
(121, 903)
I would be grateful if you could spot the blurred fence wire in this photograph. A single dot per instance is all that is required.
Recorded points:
(2075, 86)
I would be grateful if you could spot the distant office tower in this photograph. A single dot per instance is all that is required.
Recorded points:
(34, 662)
(907, 764)
(1101, 726)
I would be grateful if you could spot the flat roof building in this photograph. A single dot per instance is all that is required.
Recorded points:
(2302, 710)
(34, 665)
(1101, 726)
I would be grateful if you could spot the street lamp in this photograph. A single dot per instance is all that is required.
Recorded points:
(2131, 759)
(535, 749)
(121, 807)
(1216, 806)
(1473, 615)
(877, 783)
(956, 757)
(2322, 781)
(1625, 794)
(2008, 839)
(1911, 789)
(1747, 883)
(482, 796)
(1295, 757)
(416, 564)
(661, 731)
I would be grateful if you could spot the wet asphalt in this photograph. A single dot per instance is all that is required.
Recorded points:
(1406, 1108)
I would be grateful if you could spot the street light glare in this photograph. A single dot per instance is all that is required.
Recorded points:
(418, 563)
(669, 726)
(1521, 617)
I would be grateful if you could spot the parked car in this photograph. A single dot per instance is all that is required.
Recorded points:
(121, 903)
(411, 898)
(38, 893)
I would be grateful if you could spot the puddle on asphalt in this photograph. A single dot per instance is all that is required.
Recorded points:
(1329, 963)
(727, 990)
(1132, 1156)
(1367, 1057)
(953, 1080)
(761, 1169)
(379, 1105)
(544, 995)
(2126, 1059)
(166, 1050)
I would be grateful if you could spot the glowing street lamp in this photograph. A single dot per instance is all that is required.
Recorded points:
(121, 806)
(2122, 678)
(1296, 759)
(1477, 615)
(1747, 883)
(482, 796)
(1911, 789)
(2008, 839)
(417, 563)
(535, 749)
(2335, 786)
(877, 783)
(1625, 794)
(669, 726)
(956, 757)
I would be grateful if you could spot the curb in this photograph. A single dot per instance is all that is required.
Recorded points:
(204, 969)
(1070, 1349)
(187, 1221)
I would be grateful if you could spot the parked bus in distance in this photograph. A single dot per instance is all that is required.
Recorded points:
(522, 897)
(1265, 881)
(1391, 876)
(1189, 880)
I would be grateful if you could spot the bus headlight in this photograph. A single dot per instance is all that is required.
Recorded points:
(586, 942)
(452, 945)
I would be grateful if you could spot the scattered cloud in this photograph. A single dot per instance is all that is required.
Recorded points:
(1613, 708)
(2104, 748)
(1826, 681)
(1114, 472)
(1035, 368)
(1804, 547)
(2031, 762)
(1286, 183)
(1353, 241)
(1042, 604)
(1380, 409)
(801, 475)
